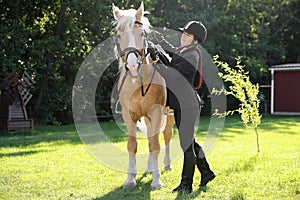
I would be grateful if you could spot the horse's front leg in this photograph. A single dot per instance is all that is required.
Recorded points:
(130, 182)
(168, 132)
(153, 129)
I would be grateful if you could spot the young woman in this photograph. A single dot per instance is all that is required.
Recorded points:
(180, 75)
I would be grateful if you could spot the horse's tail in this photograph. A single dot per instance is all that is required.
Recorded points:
(143, 122)
(142, 126)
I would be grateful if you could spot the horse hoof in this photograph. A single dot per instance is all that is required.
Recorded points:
(168, 168)
(156, 187)
(129, 186)
(146, 173)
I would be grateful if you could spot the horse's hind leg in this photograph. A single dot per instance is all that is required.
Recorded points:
(168, 132)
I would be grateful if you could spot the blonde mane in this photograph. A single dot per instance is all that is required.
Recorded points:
(126, 22)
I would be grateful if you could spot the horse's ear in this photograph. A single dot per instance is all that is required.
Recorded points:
(116, 11)
(140, 12)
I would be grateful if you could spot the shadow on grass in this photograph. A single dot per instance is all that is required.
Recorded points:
(194, 195)
(68, 135)
(20, 153)
(278, 124)
(48, 134)
(141, 191)
(281, 124)
(59, 135)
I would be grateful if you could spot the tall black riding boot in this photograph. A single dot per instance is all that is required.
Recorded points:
(187, 173)
(206, 173)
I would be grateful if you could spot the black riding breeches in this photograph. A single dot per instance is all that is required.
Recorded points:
(185, 121)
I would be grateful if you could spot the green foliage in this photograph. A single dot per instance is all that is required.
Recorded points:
(242, 89)
(50, 39)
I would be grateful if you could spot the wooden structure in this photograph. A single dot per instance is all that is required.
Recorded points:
(265, 99)
(285, 96)
(13, 98)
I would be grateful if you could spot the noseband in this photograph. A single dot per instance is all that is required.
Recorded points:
(139, 56)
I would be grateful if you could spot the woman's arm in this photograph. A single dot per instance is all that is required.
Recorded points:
(168, 47)
(187, 63)
(158, 38)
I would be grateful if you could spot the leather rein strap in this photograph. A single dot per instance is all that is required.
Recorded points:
(198, 86)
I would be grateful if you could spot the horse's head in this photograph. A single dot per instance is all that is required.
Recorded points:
(131, 41)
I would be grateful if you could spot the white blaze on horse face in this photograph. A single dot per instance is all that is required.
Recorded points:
(132, 59)
(131, 40)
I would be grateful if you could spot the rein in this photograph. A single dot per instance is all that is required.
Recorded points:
(198, 86)
(148, 87)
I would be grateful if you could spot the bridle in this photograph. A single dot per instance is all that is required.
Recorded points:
(141, 59)
(140, 54)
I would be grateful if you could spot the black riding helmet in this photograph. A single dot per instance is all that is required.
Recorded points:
(197, 29)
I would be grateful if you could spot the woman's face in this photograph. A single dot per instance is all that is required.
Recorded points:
(186, 39)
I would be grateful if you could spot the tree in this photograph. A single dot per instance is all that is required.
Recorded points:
(50, 39)
(242, 89)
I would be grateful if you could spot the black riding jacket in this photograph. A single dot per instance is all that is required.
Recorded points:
(179, 75)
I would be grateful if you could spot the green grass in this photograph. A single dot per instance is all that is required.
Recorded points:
(54, 164)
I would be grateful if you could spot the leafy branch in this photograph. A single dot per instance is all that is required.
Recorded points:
(242, 89)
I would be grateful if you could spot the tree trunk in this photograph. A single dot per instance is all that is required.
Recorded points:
(41, 93)
(257, 140)
(50, 57)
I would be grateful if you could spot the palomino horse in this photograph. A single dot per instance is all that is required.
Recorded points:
(142, 92)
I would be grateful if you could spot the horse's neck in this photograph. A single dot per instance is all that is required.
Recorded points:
(147, 70)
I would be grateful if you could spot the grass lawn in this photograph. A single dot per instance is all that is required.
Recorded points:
(54, 164)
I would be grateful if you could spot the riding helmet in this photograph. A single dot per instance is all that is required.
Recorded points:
(197, 29)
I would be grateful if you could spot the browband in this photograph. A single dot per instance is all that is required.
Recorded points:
(138, 22)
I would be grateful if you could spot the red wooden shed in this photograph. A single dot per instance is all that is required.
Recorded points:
(285, 89)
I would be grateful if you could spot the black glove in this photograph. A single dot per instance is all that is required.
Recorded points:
(156, 37)
(163, 59)
(152, 51)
